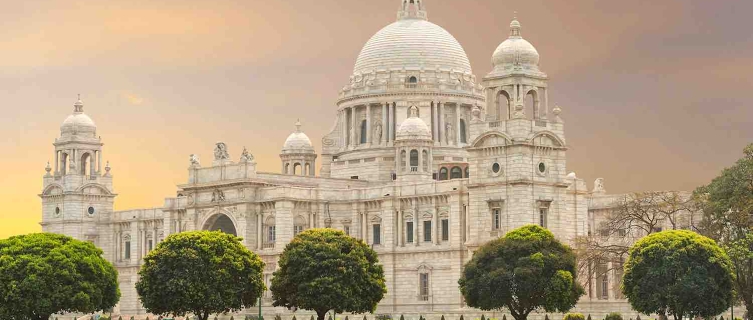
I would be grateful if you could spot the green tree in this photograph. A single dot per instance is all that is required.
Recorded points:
(727, 204)
(574, 316)
(678, 273)
(202, 273)
(44, 273)
(523, 271)
(324, 269)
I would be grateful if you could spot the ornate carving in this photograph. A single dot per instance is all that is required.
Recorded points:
(476, 114)
(519, 111)
(378, 132)
(194, 161)
(246, 157)
(218, 196)
(449, 133)
(191, 199)
(220, 151)
(599, 186)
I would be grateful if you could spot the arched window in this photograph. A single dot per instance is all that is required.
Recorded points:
(503, 106)
(467, 172)
(299, 224)
(308, 170)
(412, 81)
(296, 169)
(64, 163)
(363, 131)
(456, 173)
(463, 138)
(414, 160)
(402, 161)
(85, 164)
(532, 105)
(425, 157)
(443, 174)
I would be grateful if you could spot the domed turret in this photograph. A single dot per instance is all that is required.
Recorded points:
(298, 155)
(515, 53)
(413, 128)
(298, 142)
(78, 123)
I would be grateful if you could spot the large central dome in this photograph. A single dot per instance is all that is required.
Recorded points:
(412, 42)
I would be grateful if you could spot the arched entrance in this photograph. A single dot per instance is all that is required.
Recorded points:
(222, 223)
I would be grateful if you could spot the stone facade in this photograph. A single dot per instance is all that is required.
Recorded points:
(423, 163)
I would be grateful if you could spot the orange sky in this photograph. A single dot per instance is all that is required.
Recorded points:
(655, 95)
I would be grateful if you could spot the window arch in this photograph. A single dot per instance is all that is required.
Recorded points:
(308, 170)
(299, 224)
(363, 131)
(297, 169)
(414, 160)
(532, 104)
(456, 173)
(503, 106)
(443, 174)
(85, 164)
(463, 138)
(411, 82)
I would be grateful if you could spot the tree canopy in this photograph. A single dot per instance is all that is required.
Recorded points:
(200, 272)
(727, 204)
(678, 273)
(43, 273)
(523, 271)
(324, 269)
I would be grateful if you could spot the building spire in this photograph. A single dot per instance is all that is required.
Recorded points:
(412, 9)
(79, 105)
(298, 125)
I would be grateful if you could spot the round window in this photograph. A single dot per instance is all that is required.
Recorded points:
(542, 167)
(91, 210)
(496, 167)
(57, 211)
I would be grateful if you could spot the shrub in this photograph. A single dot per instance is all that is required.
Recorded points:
(382, 317)
(589, 317)
(312, 317)
(293, 318)
(638, 317)
(546, 317)
(613, 316)
(402, 317)
(721, 317)
(574, 316)
(442, 318)
(461, 317)
(346, 317)
(504, 317)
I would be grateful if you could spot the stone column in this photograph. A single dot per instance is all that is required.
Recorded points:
(392, 120)
(57, 161)
(435, 223)
(400, 227)
(433, 114)
(457, 124)
(384, 139)
(353, 128)
(343, 128)
(440, 123)
(416, 222)
(259, 231)
(364, 227)
(464, 211)
(92, 158)
(545, 108)
(99, 162)
(368, 124)
(420, 159)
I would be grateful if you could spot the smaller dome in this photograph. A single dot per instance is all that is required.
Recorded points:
(298, 142)
(78, 122)
(515, 52)
(413, 128)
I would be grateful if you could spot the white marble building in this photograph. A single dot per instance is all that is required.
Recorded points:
(424, 162)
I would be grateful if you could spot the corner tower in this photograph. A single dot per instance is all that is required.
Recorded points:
(77, 190)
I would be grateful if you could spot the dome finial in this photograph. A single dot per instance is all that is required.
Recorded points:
(412, 9)
(515, 26)
(79, 105)
(413, 112)
(298, 125)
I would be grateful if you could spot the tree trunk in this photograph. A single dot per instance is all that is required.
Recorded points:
(320, 315)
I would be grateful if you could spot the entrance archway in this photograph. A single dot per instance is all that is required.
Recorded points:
(222, 223)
